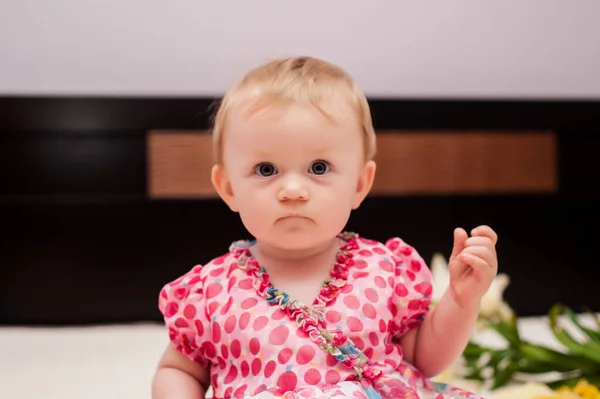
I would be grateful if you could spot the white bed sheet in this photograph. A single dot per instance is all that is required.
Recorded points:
(109, 362)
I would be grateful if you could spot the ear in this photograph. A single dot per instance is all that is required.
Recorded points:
(365, 182)
(223, 186)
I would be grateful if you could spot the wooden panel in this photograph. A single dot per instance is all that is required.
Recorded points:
(455, 163)
(409, 163)
(180, 164)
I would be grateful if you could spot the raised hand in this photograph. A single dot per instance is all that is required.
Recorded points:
(472, 265)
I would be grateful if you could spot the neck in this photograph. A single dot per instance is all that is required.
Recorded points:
(274, 256)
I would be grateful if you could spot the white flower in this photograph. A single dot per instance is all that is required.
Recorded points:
(441, 276)
(492, 302)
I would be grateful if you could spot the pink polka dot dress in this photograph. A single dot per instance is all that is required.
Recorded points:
(260, 343)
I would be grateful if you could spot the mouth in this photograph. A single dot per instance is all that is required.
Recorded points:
(292, 216)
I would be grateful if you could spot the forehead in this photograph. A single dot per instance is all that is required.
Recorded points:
(293, 127)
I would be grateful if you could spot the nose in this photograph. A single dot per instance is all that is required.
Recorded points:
(292, 189)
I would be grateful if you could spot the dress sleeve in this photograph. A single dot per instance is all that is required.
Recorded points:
(182, 305)
(412, 287)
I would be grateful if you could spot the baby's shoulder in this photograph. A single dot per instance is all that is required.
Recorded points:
(394, 246)
(393, 255)
(200, 283)
(203, 274)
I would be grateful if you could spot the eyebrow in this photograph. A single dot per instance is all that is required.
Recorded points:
(270, 153)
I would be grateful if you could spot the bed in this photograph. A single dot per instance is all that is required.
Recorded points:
(111, 361)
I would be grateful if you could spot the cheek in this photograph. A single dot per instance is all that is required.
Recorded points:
(343, 188)
(251, 196)
(253, 208)
(336, 199)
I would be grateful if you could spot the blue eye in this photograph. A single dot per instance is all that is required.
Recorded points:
(319, 167)
(265, 169)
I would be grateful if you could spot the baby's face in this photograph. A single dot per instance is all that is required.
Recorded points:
(293, 175)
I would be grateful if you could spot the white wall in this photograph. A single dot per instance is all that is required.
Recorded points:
(394, 48)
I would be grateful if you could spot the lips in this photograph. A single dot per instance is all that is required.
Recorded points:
(291, 216)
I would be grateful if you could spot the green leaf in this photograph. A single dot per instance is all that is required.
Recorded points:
(581, 359)
(557, 361)
(592, 334)
(474, 375)
(569, 382)
(531, 366)
(513, 323)
(593, 379)
(501, 377)
(593, 315)
(473, 349)
(589, 349)
(507, 331)
(500, 355)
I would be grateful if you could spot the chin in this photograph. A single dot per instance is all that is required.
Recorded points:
(299, 239)
(293, 240)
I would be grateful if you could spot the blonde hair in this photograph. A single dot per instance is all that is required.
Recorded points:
(295, 79)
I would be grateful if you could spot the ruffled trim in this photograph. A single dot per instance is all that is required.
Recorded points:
(310, 319)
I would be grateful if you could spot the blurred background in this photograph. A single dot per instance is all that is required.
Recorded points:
(486, 112)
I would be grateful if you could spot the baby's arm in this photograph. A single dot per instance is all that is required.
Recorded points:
(178, 377)
(441, 338)
(446, 330)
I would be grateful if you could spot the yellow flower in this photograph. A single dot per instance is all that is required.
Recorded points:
(583, 390)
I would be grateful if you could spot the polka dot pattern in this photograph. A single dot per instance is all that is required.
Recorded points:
(369, 311)
(214, 316)
(285, 355)
(278, 335)
(332, 377)
(312, 377)
(260, 323)
(333, 316)
(305, 354)
(352, 302)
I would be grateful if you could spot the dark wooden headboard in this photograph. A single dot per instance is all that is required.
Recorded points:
(103, 200)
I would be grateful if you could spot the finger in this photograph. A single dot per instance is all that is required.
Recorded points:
(460, 236)
(457, 268)
(479, 241)
(485, 253)
(479, 266)
(485, 231)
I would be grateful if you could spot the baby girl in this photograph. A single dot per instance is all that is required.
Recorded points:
(306, 309)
